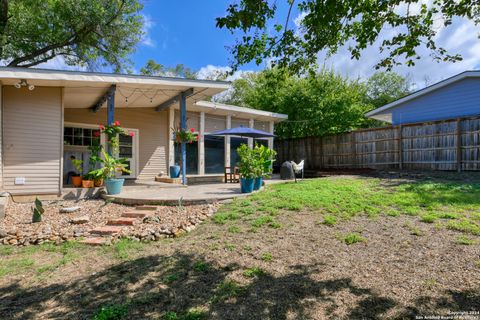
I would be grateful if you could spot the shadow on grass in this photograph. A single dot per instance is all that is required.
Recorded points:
(148, 287)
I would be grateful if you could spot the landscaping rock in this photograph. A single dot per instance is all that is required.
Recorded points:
(80, 220)
(69, 209)
(165, 222)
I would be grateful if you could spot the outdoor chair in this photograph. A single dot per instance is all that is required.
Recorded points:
(232, 175)
(298, 169)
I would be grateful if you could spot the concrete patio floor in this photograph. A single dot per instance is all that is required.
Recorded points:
(170, 194)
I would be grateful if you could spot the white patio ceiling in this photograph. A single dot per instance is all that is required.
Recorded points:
(84, 89)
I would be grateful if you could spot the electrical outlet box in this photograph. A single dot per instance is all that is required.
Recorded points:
(19, 180)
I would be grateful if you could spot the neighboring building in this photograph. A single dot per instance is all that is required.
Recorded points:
(42, 128)
(456, 97)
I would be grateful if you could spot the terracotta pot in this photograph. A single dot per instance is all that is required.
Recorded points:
(87, 183)
(98, 182)
(77, 181)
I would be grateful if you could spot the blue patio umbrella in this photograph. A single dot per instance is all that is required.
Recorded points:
(243, 132)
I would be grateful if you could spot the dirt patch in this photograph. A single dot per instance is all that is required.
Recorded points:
(299, 268)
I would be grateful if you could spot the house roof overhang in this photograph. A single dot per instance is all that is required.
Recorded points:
(84, 89)
(236, 111)
(384, 113)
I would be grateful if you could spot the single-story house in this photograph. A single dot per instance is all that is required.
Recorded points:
(455, 97)
(48, 116)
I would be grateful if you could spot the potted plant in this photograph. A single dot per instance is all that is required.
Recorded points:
(265, 158)
(77, 179)
(187, 136)
(87, 181)
(93, 161)
(111, 164)
(247, 167)
(108, 172)
(181, 136)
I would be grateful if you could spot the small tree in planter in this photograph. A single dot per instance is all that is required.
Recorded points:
(108, 171)
(111, 164)
(248, 168)
(265, 158)
(95, 159)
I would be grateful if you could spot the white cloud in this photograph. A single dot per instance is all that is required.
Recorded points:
(58, 63)
(148, 24)
(461, 37)
(211, 72)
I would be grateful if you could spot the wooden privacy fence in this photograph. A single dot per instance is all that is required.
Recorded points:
(440, 145)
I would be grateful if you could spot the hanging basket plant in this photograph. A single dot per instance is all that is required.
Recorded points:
(187, 136)
(112, 132)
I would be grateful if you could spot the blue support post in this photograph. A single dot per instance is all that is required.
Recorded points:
(110, 111)
(183, 126)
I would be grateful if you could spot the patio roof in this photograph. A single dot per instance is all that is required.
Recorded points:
(235, 111)
(84, 89)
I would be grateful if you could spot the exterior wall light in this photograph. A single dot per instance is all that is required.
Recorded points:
(24, 83)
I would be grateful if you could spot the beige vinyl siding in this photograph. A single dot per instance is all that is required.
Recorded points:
(193, 120)
(236, 122)
(153, 133)
(262, 125)
(32, 129)
(1, 136)
(214, 123)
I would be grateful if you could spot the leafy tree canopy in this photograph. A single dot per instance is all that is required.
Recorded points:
(83, 32)
(264, 34)
(385, 87)
(152, 68)
(318, 104)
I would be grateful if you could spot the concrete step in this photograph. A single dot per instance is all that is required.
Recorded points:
(138, 214)
(106, 230)
(148, 208)
(96, 241)
(122, 222)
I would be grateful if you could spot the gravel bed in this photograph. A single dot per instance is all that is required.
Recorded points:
(17, 227)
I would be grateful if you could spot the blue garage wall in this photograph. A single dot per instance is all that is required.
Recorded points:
(458, 99)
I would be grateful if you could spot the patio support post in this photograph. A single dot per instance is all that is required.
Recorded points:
(251, 125)
(227, 142)
(183, 126)
(171, 143)
(201, 145)
(271, 126)
(111, 110)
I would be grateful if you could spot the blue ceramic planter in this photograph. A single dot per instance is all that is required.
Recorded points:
(114, 186)
(258, 183)
(247, 184)
(174, 172)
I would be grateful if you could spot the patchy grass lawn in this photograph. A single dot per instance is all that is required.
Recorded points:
(336, 247)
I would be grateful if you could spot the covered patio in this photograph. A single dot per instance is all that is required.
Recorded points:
(151, 193)
(50, 117)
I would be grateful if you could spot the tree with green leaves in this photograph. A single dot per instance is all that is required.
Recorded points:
(385, 87)
(318, 104)
(264, 34)
(83, 32)
(152, 68)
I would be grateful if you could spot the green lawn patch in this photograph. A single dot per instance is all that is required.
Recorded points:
(352, 238)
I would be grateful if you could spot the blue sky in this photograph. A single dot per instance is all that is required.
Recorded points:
(184, 31)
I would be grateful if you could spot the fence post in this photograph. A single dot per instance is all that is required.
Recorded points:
(400, 147)
(459, 145)
(353, 149)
